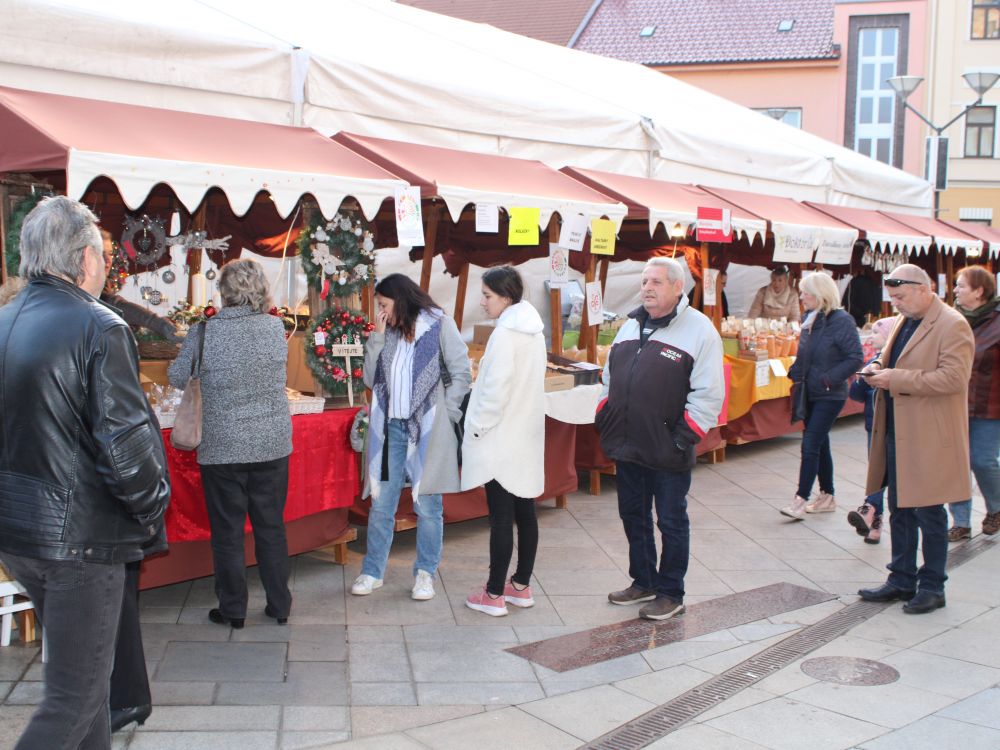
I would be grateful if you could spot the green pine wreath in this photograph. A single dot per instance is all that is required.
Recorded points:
(337, 326)
(13, 239)
(339, 254)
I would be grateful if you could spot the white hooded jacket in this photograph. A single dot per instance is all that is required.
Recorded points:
(505, 421)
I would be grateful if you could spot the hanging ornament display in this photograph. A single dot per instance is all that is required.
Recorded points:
(155, 297)
(169, 277)
(210, 274)
(144, 239)
(118, 273)
(335, 350)
(338, 256)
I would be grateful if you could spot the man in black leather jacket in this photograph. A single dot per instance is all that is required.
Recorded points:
(83, 481)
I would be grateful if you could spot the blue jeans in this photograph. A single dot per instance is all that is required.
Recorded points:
(984, 452)
(878, 496)
(382, 516)
(79, 605)
(638, 488)
(906, 525)
(816, 456)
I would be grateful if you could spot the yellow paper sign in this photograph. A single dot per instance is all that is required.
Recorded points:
(602, 237)
(523, 229)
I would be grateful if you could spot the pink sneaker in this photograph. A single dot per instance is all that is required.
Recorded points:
(518, 597)
(481, 601)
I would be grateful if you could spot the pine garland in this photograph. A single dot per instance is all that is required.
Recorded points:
(12, 242)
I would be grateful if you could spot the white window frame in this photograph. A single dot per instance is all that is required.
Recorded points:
(875, 131)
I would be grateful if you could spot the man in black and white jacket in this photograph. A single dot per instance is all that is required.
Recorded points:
(663, 390)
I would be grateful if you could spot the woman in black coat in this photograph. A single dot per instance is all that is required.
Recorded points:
(829, 353)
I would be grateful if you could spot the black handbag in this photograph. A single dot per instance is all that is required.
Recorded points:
(798, 402)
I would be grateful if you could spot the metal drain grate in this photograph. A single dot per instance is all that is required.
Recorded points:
(664, 719)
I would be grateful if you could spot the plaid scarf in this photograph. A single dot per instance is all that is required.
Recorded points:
(426, 376)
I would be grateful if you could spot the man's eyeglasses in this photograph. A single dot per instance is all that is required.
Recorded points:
(893, 283)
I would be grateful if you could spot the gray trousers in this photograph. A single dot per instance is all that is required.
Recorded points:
(79, 605)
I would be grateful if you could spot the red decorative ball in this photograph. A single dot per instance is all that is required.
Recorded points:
(210, 311)
(336, 370)
(356, 373)
(320, 351)
(273, 311)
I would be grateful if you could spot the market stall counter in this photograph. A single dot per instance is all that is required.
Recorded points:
(563, 410)
(760, 406)
(322, 485)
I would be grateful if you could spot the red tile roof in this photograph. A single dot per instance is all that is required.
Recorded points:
(710, 31)
(552, 21)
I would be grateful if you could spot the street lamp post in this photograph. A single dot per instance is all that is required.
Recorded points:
(980, 82)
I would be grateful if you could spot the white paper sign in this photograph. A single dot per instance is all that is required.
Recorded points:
(320, 338)
(794, 243)
(558, 265)
(409, 220)
(777, 368)
(573, 231)
(836, 246)
(763, 373)
(711, 279)
(487, 218)
(942, 285)
(595, 303)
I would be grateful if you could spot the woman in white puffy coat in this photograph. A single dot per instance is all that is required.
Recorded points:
(504, 445)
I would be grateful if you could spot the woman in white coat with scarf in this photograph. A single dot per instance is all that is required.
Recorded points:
(413, 353)
(504, 444)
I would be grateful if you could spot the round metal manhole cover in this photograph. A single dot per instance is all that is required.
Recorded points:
(849, 670)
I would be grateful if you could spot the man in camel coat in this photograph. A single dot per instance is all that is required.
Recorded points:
(920, 436)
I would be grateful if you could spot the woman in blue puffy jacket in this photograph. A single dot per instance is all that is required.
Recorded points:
(829, 353)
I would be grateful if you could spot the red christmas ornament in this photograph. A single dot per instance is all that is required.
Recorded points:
(336, 370)
(356, 373)
(273, 311)
(320, 351)
(210, 311)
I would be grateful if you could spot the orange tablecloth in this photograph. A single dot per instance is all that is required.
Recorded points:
(744, 391)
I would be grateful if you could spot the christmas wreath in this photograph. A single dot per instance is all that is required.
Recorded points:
(333, 328)
(338, 256)
(13, 240)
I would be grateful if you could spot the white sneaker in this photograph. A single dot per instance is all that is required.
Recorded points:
(796, 510)
(365, 584)
(423, 586)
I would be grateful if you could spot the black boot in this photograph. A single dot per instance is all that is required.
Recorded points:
(122, 717)
(220, 619)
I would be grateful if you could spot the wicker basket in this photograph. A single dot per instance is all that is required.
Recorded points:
(158, 349)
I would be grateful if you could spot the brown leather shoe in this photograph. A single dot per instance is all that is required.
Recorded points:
(958, 533)
(991, 524)
(632, 595)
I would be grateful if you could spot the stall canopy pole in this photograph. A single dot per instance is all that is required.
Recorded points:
(938, 264)
(605, 263)
(588, 336)
(712, 311)
(555, 300)
(430, 239)
(463, 283)
(950, 289)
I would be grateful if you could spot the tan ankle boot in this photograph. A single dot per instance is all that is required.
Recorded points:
(823, 504)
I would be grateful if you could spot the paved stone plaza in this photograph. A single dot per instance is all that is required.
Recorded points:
(390, 673)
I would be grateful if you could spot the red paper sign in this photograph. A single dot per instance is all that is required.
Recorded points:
(714, 225)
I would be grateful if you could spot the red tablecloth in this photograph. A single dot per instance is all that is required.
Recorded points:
(560, 479)
(771, 418)
(322, 475)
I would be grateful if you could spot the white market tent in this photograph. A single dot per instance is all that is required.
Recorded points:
(391, 71)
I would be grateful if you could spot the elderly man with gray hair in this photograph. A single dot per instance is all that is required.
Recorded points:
(663, 390)
(83, 479)
(920, 436)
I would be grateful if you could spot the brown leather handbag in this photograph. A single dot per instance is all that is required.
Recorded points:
(186, 434)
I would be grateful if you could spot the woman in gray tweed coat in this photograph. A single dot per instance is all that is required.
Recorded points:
(246, 439)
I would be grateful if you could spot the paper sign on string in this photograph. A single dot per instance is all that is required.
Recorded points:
(714, 224)
(409, 219)
(708, 286)
(595, 303)
(487, 218)
(573, 231)
(558, 265)
(602, 237)
(762, 373)
(523, 226)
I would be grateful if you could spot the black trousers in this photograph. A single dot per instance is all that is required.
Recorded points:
(231, 492)
(129, 680)
(506, 510)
